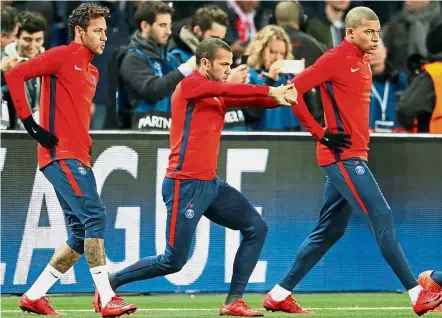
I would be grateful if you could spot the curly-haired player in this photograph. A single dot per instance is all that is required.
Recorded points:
(69, 84)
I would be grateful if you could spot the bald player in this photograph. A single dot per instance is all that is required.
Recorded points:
(345, 79)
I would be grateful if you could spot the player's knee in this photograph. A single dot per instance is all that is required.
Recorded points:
(76, 243)
(262, 228)
(257, 230)
(334, 233)
(172, 263)
(95, 225)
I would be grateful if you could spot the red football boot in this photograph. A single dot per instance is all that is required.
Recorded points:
(117, 307)
(427, 301)
(40, 306)
(96, 302)
(239, 308)
(287, 305)
(429, 284)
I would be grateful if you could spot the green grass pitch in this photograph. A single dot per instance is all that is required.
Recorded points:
(207, 305)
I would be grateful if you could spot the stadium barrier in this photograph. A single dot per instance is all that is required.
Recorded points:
(277, 172)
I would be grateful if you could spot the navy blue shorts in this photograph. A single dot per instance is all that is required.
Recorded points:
(188, 200)
(76, 190)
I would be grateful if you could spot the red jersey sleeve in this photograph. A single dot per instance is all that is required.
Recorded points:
(47, 63)
(255, 102)
(322, 71)
(198, 87)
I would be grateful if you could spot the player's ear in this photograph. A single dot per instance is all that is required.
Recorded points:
(205, 63)
(197, 31)
(78, 30)
(145, 27)
(350, 32)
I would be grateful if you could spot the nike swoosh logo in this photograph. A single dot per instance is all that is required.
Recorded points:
(326, 139)
(53, 275)
(33, 130)
(353, 70)
(77, 68)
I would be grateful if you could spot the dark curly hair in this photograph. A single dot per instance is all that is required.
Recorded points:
(31, 22)
(83, 14)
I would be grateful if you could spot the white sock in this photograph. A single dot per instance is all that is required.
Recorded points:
(414, 293)
(46, 280)
(279, 294)
(101, 280)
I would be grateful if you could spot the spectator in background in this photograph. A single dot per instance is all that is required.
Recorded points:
(148, 74)
(9, 29)
(266, 55)
(32, 27)
(210, 22)
(207, 22)
(329, 27)
(407, 31)
(48, 9)
(245, 19)
(420, 108)
(387, 86)
(290, 16)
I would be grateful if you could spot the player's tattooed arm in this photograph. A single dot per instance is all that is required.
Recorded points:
(64, 258)
(94, 250)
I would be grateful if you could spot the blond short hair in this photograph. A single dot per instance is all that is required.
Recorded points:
(354, 17)
(260, 42)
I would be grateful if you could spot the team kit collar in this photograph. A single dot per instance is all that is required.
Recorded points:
(84, 53)
(353, 49)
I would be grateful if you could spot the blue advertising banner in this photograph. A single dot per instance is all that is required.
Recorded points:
(277, 173)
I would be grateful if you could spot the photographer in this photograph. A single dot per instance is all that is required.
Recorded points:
(420, 108)
(267, 54)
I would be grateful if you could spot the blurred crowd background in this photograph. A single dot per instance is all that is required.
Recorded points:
(150, 47)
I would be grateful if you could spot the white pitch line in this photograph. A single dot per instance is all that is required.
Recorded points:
(216, 309)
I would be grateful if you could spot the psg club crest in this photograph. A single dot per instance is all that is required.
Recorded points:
(190, 213)
(360, 170)
(82, 171)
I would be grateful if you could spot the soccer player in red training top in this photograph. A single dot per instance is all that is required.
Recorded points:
(191, 188)
(69, 83)
(344, 76)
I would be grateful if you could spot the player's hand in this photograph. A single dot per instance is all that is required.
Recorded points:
(275, 70)
(336, 141)
(291, 95)
(238, 75)
(278, 94)
(44, 137)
